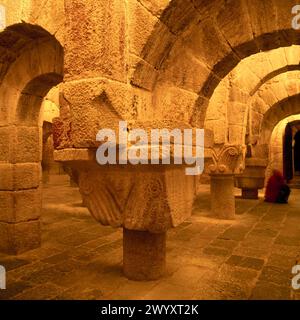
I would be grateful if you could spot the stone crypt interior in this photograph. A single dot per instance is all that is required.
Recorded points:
(72, 229)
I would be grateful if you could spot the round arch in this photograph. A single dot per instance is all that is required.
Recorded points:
(33, 65)
(193, 47)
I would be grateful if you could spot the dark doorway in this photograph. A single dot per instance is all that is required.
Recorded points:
(288, 153)
(297, 153)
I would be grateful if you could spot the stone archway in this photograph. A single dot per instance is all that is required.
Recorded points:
(35, 66)
(193, 46)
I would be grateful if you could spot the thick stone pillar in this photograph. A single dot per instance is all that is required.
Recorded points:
(144, 255)
(222, 196)
(20, 207)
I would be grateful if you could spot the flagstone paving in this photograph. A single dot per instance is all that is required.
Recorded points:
(249, 258)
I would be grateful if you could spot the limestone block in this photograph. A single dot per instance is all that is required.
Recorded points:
(259, 105)
(291, 87)
(236, 134)
(16, 238)
(97, 46)
(26, 175)
(179, 15)
(173, 103)
(292, 55)
(268, 96)
(141, 25)
(51, 60)
(259, 64)
(209, 139)
(178, 70)
(234, 22)
(22, 73)
(6, 206)
(207, 8)
(155, 7)
(28, 145)
(51, 17)
(207, 43)
(238, 95)
(20, 206)
(237, 113)
(246, 80)
(5, 145)
(258, 9)
(217, 108)
(141, 105)
(19, 176)
(8, 98)
(6, 176)
(256, 122)
(141, 73)
(278, 58)
(218, 127)
(107, 102)
(28, 204)
(279, 90)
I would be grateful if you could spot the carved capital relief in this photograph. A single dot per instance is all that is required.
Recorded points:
(229, 160)
(138, 200)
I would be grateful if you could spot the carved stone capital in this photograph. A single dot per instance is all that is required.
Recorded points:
(146, 200)
(230, 160)
(142, 197)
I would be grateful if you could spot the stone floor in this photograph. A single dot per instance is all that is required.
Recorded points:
(249, 258)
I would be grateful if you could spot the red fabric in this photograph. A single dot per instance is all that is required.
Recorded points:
(274, 186)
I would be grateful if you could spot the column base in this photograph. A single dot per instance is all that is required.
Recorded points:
(222, 196)
(250, 194)
(144, 255)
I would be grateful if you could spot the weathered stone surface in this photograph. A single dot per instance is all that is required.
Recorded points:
(96, 47)
(20, 206)
(28, 145)
(20, 237)
(144, 255)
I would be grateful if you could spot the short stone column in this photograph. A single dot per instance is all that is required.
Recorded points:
(222, 196)
(228, 161)
(145, 200)
(144, 255)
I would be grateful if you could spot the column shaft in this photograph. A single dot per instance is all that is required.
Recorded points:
(144, 255)
(222, 196)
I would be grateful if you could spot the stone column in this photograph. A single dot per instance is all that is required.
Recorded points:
(228, 161)
(144, 255)
(222, 196)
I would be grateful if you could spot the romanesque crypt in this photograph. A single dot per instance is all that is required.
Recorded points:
(74, 229)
